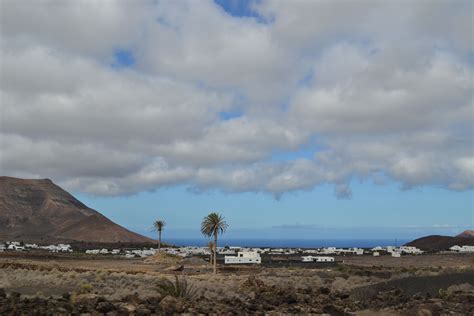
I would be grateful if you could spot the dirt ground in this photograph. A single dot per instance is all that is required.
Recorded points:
(70, 284)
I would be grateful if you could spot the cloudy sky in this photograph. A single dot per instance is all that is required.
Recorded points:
(301, 114)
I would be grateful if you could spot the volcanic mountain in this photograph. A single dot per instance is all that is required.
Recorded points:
(437, 243)
(40, 211)
(466, 234)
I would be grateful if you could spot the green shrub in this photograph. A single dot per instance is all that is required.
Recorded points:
(85, 288)
(441, 293)
(179, 288)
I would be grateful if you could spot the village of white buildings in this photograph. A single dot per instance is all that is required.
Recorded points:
(236, 255)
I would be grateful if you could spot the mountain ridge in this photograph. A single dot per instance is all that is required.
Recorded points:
(439, 243)
(38, 210)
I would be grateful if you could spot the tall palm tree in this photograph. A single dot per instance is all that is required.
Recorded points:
(158, 226)
(211, 226)
(210, 245)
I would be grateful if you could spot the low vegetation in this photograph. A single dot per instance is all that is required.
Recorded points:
(56, 290)
(180, 288)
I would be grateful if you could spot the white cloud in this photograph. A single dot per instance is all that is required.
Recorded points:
(384, 88)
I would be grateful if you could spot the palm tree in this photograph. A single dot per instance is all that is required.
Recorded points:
(211, 226)
(158, 226)
(210, 245)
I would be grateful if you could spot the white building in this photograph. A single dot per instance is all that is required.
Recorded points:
(58, 248)
(243, 257)
(227, 252)
(317, 259)
(356, 251)
(376, 254)
(15, 247)
(396, 254)
(92, 251)
(411, 250)
(462, 248)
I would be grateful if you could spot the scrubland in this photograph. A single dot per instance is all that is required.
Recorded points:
(122, 287)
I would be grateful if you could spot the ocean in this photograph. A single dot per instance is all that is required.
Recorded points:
(289, 243)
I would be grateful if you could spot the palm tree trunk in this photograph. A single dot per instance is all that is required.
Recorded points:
(215, 253)
(159, 240)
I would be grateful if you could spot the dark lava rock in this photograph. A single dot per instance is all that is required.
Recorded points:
(105, 307)
(171, 304)
(333, 310)
(342, 295)
(324, 290)
(142, 311)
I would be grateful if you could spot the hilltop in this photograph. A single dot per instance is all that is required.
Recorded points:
(40, 211)
(437, 242)
(466, 234)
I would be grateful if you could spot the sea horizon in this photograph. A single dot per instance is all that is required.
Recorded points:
(288, 243)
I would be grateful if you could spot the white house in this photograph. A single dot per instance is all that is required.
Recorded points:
(2, 247)
(15, 247)
(411, 250)
(462, 248)
(376, 253)
(243, 257)
(227, 252)
(92, 251)
(328, 250)
(356, 251)
(317, 259)
(467, 249)
(455, 248)
(396, 254)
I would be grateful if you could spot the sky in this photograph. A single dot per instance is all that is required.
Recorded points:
(294, 119)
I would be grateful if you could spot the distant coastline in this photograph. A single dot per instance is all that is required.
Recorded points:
(289, 243)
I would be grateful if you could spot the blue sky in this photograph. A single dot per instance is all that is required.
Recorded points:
(379, 212)
(302, 119)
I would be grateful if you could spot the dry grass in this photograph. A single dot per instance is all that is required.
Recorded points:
(163, 258)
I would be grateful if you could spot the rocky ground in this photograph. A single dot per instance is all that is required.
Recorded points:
(30, 287)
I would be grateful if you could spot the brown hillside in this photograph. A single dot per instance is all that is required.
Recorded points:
(40, 211)
(466, 234)
(439, 243)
